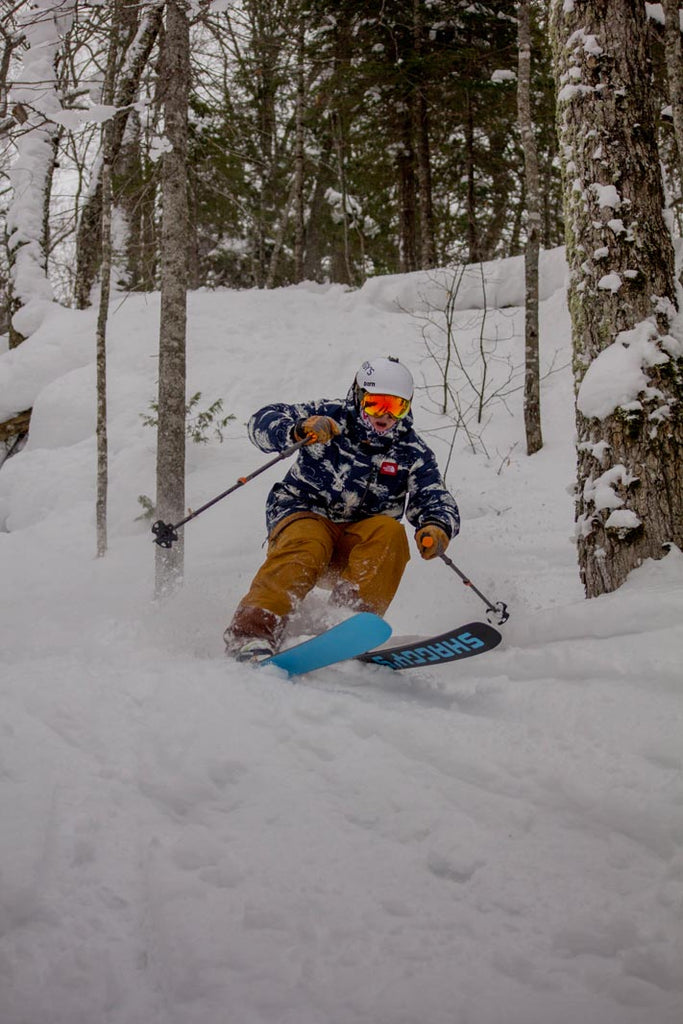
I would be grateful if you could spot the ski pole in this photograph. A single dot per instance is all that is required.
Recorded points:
(500, 609)
(166, 533)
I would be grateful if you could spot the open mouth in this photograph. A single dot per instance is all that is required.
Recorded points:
(380, 424)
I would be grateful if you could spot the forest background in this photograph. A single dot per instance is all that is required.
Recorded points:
(171, 145)
(326, 141)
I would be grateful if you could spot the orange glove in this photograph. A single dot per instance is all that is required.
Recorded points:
(431, 540)
(320, 429)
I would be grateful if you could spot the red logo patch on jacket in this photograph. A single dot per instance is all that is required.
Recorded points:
(389, 468)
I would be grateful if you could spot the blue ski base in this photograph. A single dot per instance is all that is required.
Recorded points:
(354, 636)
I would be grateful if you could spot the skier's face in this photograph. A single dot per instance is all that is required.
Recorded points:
(382, 412)
(381, 424)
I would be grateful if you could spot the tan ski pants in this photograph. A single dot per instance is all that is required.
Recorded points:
(363, 562)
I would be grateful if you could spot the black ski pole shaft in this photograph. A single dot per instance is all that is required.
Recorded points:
(166, 533)
(499, 609)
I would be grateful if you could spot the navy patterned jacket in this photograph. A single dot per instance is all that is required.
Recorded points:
(356, 475)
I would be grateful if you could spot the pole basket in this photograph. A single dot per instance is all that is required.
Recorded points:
(165, 534)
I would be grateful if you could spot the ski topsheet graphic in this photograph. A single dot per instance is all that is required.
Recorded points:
(360, 635)
(350, 638)
(461, 642)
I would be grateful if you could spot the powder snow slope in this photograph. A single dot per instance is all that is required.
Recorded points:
(186, 841)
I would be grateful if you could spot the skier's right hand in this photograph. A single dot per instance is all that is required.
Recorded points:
(319, 429)
(431, 540)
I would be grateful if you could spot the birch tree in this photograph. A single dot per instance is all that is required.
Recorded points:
(628, 367)
(35, 101)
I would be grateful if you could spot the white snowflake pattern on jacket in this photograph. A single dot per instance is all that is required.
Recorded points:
(358, 474)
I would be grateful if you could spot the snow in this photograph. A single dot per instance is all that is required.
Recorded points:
(610, 282)
(622, 519)
(615, 378)
(476, 286)
(189, 841)
(606, 196)
(96, 114)
(42, 27)
(569, 92)
(601, 491)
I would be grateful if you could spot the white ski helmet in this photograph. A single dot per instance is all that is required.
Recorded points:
(385, 376)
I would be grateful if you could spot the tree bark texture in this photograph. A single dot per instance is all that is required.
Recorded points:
(101, 360)
(103, 311)
(621, 290)
(172, 330)
(674, 72)
(300, 155)
(532, 382)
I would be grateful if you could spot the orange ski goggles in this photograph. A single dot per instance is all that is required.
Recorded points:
(383, 405)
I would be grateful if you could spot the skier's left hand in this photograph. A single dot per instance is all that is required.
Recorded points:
(431, 540)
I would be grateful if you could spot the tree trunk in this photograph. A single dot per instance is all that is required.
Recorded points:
(279, 238)
(628, 370)
(88, 234)
(405, 164)
(532, 385)
(101, 358)
(423, 164)
(32, 168)
(318, 213)
(342, 263)
(266, 51)
(474, 251)
(174, 90)
(134, 193)
(674, 70)
(299, 156)
(103, 312)
(500, 206)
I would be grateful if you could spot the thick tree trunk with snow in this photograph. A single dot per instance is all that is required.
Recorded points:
(628, 369)
(532, 381)
(174, 88)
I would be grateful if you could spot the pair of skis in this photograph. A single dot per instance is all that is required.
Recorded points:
(364, 637)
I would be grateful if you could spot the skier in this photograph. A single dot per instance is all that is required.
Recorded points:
(335, 518)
